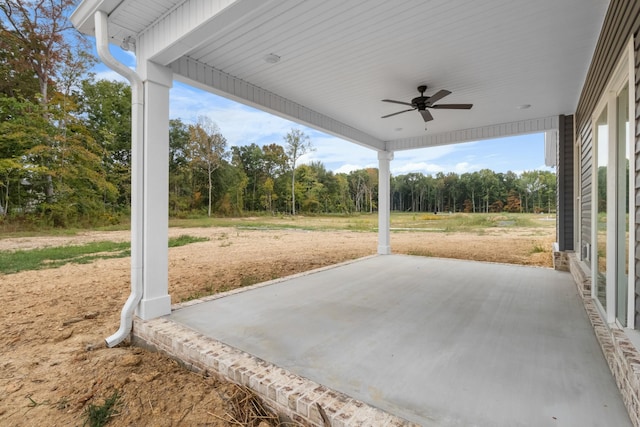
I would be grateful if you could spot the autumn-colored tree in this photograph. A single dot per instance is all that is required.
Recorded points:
(38, 39)
(47, 43)
(496, 206)
(467, 206)
(15, 82)
(513, 202)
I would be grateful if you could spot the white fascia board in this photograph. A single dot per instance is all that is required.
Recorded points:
(83, 17)
(213, 80)
(476, 134)
(192, 24)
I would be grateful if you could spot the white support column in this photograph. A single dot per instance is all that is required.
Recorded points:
(155, 192)
(384, 202)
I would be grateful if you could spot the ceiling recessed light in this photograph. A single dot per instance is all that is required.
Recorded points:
(523, 106)
(271, 58)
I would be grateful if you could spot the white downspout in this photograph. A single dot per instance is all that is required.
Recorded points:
(137, 100)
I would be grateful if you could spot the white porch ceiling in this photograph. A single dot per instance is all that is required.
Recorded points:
(340, 58)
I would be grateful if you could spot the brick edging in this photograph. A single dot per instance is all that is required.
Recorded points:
(619, 352)
(283, 391)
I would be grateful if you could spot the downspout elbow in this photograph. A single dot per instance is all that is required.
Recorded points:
(102, 44)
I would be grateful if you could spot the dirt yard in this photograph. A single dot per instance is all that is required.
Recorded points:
(53, 322)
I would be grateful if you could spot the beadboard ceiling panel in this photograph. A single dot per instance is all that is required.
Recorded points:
(340, 58)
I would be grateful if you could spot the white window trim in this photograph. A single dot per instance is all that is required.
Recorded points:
(624, 73)
(577, 192)
(631, 69)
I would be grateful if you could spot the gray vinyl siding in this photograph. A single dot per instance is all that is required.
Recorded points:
(586, 161)
(564, 179)
(637, 166)
(620, 24)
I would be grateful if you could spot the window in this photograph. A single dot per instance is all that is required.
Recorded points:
(612, 250)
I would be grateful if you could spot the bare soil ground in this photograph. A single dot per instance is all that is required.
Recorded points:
(53, 322)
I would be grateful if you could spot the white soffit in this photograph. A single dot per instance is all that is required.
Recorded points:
(339, 58)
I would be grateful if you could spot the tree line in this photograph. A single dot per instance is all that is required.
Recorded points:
(65, 155)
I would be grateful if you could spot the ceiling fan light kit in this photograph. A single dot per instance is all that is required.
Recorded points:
(422, 103)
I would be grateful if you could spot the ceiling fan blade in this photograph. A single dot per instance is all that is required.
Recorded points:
(426, 115)
(438, 96)
(397, 102)
(453, 106)
(399, 112)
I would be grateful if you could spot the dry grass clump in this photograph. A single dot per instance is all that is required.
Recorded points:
(247, 410)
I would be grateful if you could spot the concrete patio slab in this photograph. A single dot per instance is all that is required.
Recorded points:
(437, 342)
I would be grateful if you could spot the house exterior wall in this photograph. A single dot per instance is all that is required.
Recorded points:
(637, 165)
(621, 23)
(564, 177)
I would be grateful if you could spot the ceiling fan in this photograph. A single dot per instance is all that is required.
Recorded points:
(421, 103)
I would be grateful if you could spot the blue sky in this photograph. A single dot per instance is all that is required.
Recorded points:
(243, 125)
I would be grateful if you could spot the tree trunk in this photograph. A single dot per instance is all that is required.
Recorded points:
(293, 190)
(210, 186)
(4, 210)
(473, 201)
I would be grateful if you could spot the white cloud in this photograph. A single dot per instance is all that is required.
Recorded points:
(428, 168)
(109, 75)
(239, 124)
(415, 167)
(426, 154)
(243, 125)
(126, 56)
(464, 167)
(331, 150)
(348, 168)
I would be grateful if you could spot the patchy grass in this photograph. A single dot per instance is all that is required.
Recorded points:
(537, 249)
(419, 221)
(54, 257)
(420, 252)
(185, 239)
(37, 259)
(249, 280)
(100, 415)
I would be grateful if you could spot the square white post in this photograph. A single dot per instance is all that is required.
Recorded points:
(384, 202)
(155, 188)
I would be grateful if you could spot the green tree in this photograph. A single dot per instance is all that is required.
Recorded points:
(22, 128)
(207, 150)
(308, 189)
(532, 185)
(297, 144)
(250, 159)
(106, 108)
(268, 196)
(38, 38)
(180, 173)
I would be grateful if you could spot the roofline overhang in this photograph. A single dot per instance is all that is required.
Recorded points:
(83, 17)
(500, 130)
(205, 77)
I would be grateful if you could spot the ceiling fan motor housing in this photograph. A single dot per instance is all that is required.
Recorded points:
(420, 102)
